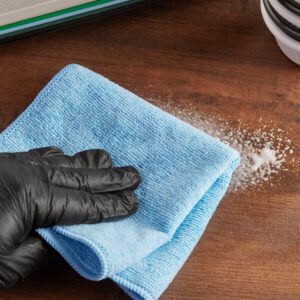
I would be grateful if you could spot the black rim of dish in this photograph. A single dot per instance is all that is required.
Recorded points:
(290, 29)
(291, 5)
(283, 20)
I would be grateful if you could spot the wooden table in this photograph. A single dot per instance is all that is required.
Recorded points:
(220, 56)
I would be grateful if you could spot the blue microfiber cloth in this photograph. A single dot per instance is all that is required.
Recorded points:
(185, 173)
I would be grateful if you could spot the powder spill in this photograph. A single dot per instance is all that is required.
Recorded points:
(263, 151)
(267, 156)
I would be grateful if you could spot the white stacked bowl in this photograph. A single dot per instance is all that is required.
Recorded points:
(289, 45)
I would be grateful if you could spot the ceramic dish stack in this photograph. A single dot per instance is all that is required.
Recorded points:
(282, 17)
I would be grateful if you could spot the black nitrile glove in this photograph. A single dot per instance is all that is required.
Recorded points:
(43, 187)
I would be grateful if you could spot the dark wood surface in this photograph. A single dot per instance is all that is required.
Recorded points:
(219, 56)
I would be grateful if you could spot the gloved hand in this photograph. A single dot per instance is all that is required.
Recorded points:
(44, 187)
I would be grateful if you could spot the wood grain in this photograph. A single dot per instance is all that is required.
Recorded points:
(220, 57)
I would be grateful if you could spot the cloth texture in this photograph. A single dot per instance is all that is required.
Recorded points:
(184, 171)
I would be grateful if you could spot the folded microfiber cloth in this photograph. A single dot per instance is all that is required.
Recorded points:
(185, 173)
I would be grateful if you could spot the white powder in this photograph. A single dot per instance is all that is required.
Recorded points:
(266, 156)
(263, 150)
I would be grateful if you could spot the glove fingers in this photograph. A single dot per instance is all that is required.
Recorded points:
(93, 159)
(95, 180)
(21, 262)
(38, 153)
(90, 159)
(70, 207)
(45, 152)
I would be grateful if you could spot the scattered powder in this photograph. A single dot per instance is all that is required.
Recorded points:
(263, 151)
